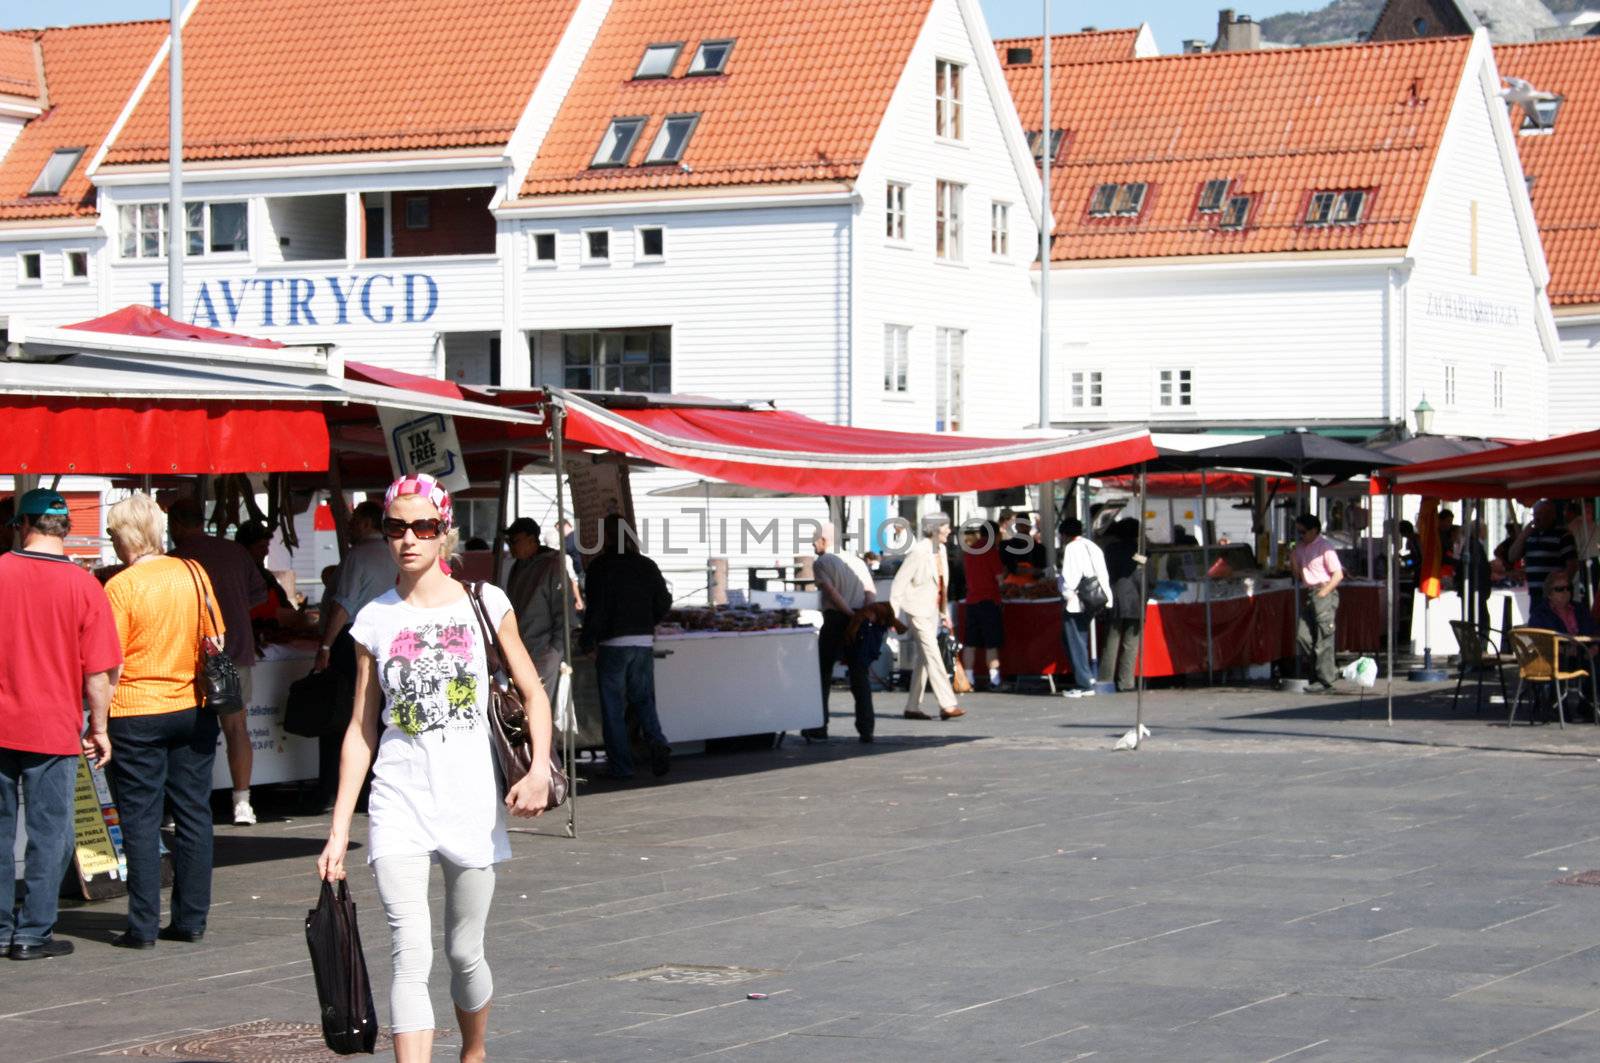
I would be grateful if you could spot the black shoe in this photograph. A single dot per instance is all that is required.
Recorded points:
(45, 951)
(866, 739)
(177, 933)
(126, 940)
(815, 734)
(660, 760)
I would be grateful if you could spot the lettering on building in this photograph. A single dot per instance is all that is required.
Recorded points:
(1472, 310)
(313, 302)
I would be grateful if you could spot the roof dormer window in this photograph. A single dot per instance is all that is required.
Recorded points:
(1236, 215)
(711, 58)
(616, 147)
(1122, 200)
(56, 171)
(671, 139)
(1212, 197)
(1542, 117)
(1336, 208)
(658, 61)
(1036, 144)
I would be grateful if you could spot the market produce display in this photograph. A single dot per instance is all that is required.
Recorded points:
(727, 619)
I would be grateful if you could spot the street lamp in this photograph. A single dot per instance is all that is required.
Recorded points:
(1424, 416)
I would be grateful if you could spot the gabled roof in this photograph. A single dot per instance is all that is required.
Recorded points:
(1506, 20)
(19, 73)
(1564, 164)
(1090, 46)
(806, 88)
(91, 72)
(283, 78)
(1277, 124)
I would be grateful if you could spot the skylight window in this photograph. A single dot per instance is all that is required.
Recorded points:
(1100, 203)
(711, 58)
(658, 61)
(1125, 200)
(1130, 198)
(1542, 116)
(1236, 214)
(56, 171)
(616, 148)
(671, 139)
(1036, 144)
(1336, 208)
(1212, 196)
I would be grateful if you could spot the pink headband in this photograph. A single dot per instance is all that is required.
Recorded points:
(425, 486)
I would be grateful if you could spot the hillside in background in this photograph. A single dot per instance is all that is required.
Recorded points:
(1344, 20)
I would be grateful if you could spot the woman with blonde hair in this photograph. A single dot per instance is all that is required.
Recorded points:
(164, 736)
(422, 679)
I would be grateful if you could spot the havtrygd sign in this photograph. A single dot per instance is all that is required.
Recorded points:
(425, 443)
(320, 302)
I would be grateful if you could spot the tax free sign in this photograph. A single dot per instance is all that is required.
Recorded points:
(424, 443)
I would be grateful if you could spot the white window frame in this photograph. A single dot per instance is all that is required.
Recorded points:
(205, 230)
(534, 261)
(639, 254)
(1086, 389)
(584, 254)
(1452, 380)
(23, 280)
(947, 221)
(68, 277)
(1000, 228)
(897, 361)
(949, 376)
(1175, 388)
(1498, 383)
(948, 105)
(896, 196)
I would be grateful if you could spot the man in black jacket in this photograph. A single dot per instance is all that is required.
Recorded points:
(626, 599)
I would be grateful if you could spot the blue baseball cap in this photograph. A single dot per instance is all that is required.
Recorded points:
(40, 502)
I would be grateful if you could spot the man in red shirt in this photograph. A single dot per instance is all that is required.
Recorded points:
(61, 650)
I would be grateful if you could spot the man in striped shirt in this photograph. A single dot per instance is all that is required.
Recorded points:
(1544, 546)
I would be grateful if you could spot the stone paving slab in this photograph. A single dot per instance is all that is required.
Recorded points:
(1267, 878)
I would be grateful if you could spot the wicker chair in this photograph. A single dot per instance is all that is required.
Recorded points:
(1538, 653)
(1478, 654)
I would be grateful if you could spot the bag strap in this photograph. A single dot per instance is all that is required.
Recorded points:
(204, 602)
(491, 639)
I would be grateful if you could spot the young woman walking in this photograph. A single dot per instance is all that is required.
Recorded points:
(421, 663)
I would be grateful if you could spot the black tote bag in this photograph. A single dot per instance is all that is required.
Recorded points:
(344, 993)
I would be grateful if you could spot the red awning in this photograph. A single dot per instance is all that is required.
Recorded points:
(785, 451)
(139, 320)
(1187, 484)
(1564, 467)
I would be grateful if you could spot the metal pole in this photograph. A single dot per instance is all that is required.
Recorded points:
(500, 517)
(176, 214)
(1393, 519)
(1205, 576)
(1144, 614)
(1047, 504)
(557, 413)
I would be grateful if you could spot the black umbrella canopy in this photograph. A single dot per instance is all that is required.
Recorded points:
(1298, 454)
(1432, 448)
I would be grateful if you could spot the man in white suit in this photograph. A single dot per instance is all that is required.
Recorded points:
(918, 595)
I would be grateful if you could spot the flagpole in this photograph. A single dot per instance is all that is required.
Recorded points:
(176, 214)
(1047, 504)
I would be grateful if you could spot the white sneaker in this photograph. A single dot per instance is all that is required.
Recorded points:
(1091, 692)
(1072, 692)
(243, 814)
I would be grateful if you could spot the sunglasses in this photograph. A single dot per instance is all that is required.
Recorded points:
(428, 528)
(1560, 588)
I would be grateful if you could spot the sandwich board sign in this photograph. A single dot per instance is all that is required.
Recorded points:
(425, 443)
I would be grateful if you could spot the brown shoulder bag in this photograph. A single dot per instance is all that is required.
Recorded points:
(509, 735)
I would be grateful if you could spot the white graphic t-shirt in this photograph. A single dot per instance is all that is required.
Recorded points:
(433, 786)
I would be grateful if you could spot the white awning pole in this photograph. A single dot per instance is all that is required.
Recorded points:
(176, 215)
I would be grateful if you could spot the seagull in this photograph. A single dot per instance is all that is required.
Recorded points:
(1131, 739)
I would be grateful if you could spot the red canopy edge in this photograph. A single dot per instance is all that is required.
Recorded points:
(157, 437)
(395, 378)
(1187, 484)
(1563, 467)
(137, 320)
(780, 450)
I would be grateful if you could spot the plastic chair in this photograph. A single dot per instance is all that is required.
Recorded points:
(1538, 653)
(1478, 653)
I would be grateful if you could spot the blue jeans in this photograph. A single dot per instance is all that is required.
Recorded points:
(156, 759)
(627, 676)
(1076, 631)
(48, 783)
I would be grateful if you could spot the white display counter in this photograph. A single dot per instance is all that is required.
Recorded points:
(724, 684)
(279, 757)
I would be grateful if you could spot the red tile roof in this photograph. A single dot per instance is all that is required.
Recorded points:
(1090, 46)
(91, 72)
(19, 74)
(1565, 163)
(275, 78)
(805, 91)
(1279, 124)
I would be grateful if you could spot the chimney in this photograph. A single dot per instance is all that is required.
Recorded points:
(1241, 34)
(1195, 46)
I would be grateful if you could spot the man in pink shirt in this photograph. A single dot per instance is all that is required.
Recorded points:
(1316, 566)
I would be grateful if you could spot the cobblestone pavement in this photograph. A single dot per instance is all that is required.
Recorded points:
(1268, 878)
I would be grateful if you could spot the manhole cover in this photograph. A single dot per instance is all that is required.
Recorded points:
(263, 1041)
(692, 974)
(1582, 878)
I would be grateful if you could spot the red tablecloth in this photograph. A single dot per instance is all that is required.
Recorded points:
(1254, 630)
(1033, 643)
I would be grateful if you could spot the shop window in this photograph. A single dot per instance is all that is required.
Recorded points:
(1212, 195)
(544, 248)
(658, 61)
(596, 246)
(1087, 389)
(30, 267)
(616, 147)
(57, 168)
(618, 359)
(1000, 230)
(209, 228)
(77, 263)
(1237, 214)
(710, 58)
(897, 359)
(1336, 208)
(895, 211)
(947, 99)
(1175, 388)
(671, 139)
(947, 220)
(652, 243)
(949, 371)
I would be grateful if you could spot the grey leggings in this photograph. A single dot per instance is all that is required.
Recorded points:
(403, 889)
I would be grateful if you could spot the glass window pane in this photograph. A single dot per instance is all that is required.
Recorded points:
(151, 215)
(229, 227)
(150, 245)
(658, 61)
(196, 244)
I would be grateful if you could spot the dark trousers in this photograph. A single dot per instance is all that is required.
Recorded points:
(330, 746)
(1076, 632)
(627, 678)
(156, 760)
(1120, 653)
(830, 646)
(1314, 634)
(47, 782)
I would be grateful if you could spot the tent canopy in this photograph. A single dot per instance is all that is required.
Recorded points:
(1298, 454)
(1564, 467)
(779, 450)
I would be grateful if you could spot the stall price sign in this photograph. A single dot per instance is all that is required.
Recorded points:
(101, 867)
(425, 444)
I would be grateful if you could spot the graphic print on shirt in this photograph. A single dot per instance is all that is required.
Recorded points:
(429, 679)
